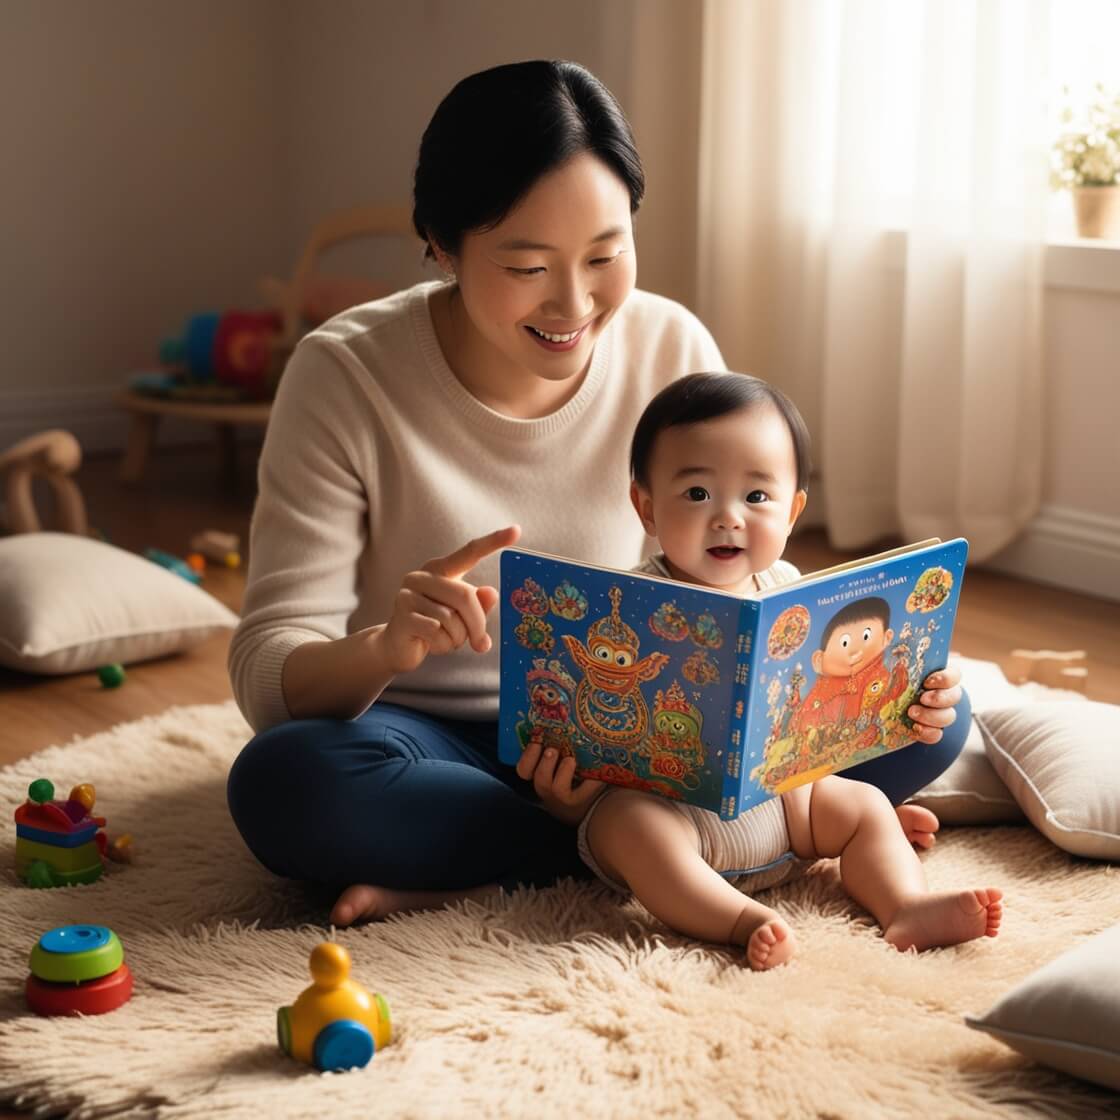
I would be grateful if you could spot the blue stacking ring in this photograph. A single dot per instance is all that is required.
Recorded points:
(75, 939)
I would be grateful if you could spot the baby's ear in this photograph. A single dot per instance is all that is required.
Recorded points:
(796, 509)
(642, 502)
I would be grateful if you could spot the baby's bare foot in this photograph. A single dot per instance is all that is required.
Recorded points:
(365, 903)
(932, 920)
(771, 944)
(919, 825)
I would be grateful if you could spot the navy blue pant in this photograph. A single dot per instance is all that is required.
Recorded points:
(407, 800)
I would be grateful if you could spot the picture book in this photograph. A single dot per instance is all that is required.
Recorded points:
(717, 699)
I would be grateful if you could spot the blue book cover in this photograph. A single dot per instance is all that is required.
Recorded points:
(715, 699)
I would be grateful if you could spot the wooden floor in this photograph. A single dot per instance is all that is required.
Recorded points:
(183, 493)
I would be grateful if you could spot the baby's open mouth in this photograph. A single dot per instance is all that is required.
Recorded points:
(724, 551)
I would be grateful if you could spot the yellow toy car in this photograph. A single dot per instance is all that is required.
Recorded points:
(335, 1024)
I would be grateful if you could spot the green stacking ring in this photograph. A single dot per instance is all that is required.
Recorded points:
(106, 956)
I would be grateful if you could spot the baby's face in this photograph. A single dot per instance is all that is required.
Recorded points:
(722, 496)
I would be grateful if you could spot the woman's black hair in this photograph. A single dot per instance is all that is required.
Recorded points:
(707, 396)
(497, 132)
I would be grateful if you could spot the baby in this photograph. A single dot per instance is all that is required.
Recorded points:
(720, 469)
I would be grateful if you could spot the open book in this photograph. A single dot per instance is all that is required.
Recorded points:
(717, 699)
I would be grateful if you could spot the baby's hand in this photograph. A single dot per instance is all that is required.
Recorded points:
(934, 709)
(553, 783)
(436, 610)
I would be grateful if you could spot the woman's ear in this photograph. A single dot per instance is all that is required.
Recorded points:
(444, 259)
(642, 502)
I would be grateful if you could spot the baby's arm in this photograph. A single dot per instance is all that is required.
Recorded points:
(644, 841)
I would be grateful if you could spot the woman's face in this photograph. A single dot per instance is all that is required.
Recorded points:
(540, 287)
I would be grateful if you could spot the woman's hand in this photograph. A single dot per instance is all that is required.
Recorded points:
(437, 611)
(941, 692)
(552, 780)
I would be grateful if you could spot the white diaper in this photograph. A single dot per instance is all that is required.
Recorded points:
(752, 851)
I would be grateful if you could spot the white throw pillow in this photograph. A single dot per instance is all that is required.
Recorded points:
(1067, 1014)
(1061, 763)
(69, 604)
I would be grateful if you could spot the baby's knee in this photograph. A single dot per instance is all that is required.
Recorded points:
(626, 818)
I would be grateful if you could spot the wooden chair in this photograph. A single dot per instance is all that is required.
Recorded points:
(311, 297)
(54, 456)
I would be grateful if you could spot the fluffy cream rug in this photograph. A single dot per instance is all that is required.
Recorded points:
(552, 1003)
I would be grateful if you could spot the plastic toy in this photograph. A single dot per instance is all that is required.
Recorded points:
(78, 970)
(220, 356)
(172, 564)
(111, 676)
(220, 547)
(196, 562)
(120, 848)
(58, 843)
(335, 1024)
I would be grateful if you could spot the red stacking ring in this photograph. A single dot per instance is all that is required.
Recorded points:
(93, 997)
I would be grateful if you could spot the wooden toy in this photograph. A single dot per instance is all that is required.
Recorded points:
(1053, 668)
(78, 970)
(220, 547)
(55, 457)
(58, 843)
(335, 1024)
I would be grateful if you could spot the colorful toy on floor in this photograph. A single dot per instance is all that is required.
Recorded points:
(220, 547)
(335, 1024)
(78, 970)
(58, 843)
(172, 564)
(111, 676)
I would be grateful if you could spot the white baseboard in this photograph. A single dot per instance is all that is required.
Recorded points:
(92, 417)
(1068, 548)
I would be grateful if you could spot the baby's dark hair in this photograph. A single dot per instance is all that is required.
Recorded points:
(871, 607)
(499, 131)
(707, 396)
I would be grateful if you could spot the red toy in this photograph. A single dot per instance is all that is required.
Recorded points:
(78, 970)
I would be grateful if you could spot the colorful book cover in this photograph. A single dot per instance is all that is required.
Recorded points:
(715, 699)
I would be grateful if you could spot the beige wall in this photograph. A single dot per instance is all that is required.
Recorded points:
(137, 182)
(159, 158)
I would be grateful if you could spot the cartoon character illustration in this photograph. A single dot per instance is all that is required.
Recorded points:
(549, 720)
(851, 674)
(609, 704)
(676, 746)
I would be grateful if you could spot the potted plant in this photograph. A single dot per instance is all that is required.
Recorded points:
(1086, 161)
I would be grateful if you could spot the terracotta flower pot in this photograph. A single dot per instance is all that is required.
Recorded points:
(1098, 212)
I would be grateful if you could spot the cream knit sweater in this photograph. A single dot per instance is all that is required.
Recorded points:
(377, 459)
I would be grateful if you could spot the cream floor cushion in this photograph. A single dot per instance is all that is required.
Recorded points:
(69, 604)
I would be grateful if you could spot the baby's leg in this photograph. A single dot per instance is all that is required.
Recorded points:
(654, 849)
(880, 870)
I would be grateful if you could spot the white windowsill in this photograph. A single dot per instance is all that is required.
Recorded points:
(1078, 263)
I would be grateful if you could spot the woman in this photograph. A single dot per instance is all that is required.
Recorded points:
(405, 427)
